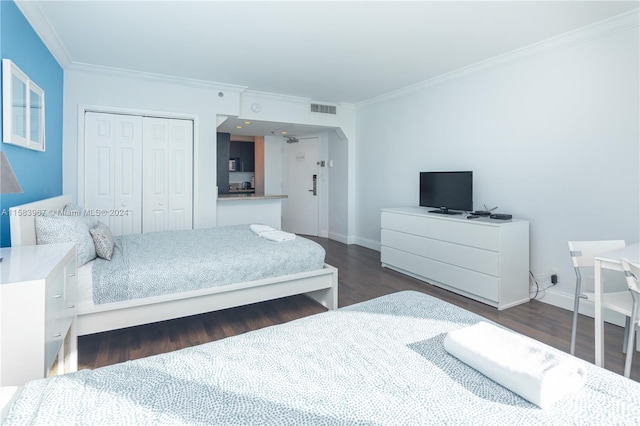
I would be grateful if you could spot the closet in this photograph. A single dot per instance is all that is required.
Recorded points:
(139, 172)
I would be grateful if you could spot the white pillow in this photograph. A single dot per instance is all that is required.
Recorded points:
(103, 240)
(66, 229)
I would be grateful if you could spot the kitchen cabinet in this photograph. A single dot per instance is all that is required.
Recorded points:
(222, 163)
(245, 152)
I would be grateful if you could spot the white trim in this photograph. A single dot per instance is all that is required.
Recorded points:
(565, 301)
(33, 13)
(149, 76)
(82, 109)
(585, 34)
(276, 96)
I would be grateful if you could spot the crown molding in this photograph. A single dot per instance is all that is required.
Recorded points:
(42, 26)
(148, 76)
(277, 96)
(604, 28)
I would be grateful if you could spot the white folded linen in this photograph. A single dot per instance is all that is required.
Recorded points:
(260, 228)
(529, 368)
(278, 236)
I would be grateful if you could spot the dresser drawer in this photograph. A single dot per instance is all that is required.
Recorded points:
(473, 258)
(71, 284)
(38, 294)
(455, 231)
(55, 333)
(482, 285)
(54, 298)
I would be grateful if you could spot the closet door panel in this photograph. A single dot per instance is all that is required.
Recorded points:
(154, 174)
(167, 174)
(180, 178)
(129, 190)
(113, 185)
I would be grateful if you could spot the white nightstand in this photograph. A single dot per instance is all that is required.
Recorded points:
(37, 311)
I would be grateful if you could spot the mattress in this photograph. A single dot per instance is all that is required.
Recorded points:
(380, 362)
(160, 263)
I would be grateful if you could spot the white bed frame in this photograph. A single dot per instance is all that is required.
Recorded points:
(320, 285)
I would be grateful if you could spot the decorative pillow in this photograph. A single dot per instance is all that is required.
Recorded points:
(66, 229)
(103, 240)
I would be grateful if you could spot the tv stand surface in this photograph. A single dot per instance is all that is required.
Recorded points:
(483, 259)
(447, 212)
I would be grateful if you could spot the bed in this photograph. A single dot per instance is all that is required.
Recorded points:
(320, 284)
(379, 362)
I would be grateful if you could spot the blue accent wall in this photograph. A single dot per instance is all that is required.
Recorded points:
(39, 173)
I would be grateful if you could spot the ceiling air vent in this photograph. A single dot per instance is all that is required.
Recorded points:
(323, 108)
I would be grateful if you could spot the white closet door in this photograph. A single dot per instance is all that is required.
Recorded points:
(113, 180)
(167, 174)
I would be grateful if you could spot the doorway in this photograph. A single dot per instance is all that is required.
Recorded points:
(302, 185)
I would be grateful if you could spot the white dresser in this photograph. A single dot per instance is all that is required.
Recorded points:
(37, 311)
(484, 259)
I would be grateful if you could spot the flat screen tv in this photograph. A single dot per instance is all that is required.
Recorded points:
(449, 192)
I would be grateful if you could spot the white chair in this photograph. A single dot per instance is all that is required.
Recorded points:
(583, 254)
(632, 274)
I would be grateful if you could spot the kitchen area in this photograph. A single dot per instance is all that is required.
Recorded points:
(240, 180)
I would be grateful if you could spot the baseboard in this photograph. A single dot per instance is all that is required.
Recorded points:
(365, 242)
(565, 301)
(338, 237)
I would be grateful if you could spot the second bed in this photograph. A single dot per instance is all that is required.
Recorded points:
(185, 272)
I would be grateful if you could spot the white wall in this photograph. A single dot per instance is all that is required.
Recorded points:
(288, 109)
(338, 176)
(132, 92)
(274, 156)
(113, 90)
(552, 137)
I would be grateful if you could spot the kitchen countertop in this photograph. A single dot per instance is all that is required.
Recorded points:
(232, 197)
(241, 191)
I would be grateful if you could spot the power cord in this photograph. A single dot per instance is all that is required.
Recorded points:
(538, 287)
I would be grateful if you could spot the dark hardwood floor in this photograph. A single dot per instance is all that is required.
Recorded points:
(360, 278)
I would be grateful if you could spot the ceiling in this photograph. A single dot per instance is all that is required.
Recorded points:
(332, 51)
(242, 127)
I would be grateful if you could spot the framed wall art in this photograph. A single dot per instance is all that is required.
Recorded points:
(22, 109)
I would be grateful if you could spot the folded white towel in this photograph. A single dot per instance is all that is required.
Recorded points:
(259, 228)
(278, 236)
(527, 367)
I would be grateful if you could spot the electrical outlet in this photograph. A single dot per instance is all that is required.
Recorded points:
(547, 280)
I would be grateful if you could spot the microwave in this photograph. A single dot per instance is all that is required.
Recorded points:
(234, 164)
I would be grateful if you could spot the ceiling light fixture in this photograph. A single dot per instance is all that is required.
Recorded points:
(247, 122)
(238, 127)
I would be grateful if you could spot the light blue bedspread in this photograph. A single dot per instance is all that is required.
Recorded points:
(157, 263)
(381, 362)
